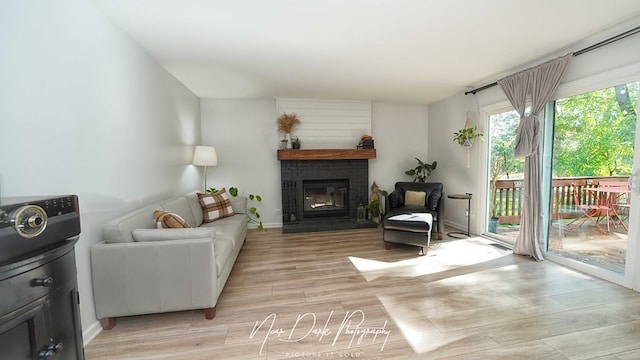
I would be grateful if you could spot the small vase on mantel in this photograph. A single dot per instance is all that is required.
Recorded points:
(287, 136)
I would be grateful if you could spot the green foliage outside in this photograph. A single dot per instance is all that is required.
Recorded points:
(594, 135)
(595, 132)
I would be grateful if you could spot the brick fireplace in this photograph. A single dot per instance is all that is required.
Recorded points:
(322, 189)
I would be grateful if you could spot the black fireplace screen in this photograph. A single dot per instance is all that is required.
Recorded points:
(326, 198)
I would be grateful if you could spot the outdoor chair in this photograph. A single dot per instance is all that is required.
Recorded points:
(619, 201)
(592, 212)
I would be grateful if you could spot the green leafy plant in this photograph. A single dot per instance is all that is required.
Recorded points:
(375, 207)
(465, 136)
(422, 172)
(252, 212)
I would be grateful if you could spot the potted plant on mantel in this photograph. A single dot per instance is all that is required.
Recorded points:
(466, 136)
(295, 143)
(286, 123)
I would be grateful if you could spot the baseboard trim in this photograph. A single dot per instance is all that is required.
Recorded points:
(91, 332)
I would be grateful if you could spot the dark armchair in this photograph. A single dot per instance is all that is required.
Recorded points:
(433, 203)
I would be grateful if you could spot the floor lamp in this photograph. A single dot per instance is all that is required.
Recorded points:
(205, 156)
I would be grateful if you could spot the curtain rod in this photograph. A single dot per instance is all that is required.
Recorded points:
(579, 52)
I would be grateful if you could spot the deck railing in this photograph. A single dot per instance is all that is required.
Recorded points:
(507, 199)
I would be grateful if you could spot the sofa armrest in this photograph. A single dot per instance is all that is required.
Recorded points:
(150, 277)
(143, 235)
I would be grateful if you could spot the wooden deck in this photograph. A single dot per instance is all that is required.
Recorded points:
(584, 243)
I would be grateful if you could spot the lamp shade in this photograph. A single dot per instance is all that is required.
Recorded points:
(205, 156)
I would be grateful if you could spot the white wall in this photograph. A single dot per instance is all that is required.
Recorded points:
(84, 111)
(400, 132)
(245, 135)
(607, 66)
(445, 118)
(246, 138)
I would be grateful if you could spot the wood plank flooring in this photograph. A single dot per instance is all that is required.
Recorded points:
(333, 295)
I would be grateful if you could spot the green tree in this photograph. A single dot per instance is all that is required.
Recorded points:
(595, 132)
(503, 139)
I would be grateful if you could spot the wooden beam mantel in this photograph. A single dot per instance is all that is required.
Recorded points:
(326, 154)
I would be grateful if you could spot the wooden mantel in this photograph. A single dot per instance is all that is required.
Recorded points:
(326, 154)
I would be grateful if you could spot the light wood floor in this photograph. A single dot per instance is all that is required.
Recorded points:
(333, 295)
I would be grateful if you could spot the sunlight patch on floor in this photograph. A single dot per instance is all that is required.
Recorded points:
(417, 330)
(445, 256)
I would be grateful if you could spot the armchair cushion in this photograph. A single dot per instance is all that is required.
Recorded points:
(414, 198)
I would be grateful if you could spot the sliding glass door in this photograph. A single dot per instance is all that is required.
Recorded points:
(589, 149)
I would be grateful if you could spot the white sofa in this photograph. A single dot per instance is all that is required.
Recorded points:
(139, 269)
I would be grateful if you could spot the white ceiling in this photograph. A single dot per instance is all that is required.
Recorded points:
(408, 51)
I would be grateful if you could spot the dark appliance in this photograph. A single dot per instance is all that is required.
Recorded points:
(39, 313)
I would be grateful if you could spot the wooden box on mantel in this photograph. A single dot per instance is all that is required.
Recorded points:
(326, 154)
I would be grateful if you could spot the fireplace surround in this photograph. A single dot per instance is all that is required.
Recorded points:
(335, 187)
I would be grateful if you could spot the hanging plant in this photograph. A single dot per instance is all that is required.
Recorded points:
(465, 138)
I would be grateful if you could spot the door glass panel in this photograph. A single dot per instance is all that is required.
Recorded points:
(505, 178)
(593, 150)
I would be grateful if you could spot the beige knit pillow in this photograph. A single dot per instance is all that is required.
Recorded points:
(414, 198)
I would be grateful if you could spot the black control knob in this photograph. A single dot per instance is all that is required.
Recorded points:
(29, 220)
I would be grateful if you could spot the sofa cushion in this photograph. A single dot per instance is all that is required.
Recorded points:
(144, 235)
(233, 228)
(239, 204)
(215, 206)
(180, 206)
(119, 229)
(196, 209)
(168, 220)
(414, 198)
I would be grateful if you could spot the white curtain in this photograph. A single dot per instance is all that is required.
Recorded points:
(539, 83)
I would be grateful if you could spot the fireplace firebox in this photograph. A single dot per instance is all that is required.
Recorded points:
(325, 198)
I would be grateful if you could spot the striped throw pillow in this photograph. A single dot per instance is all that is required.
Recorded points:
(215, 206)
(167, 220)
